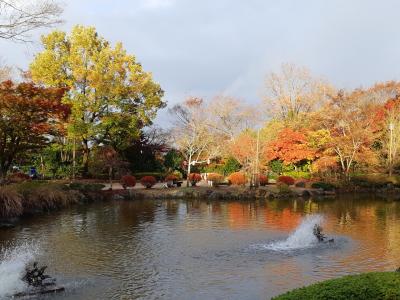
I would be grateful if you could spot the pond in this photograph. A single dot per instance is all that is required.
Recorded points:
(175, 249)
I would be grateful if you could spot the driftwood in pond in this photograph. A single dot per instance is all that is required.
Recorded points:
(317, 231)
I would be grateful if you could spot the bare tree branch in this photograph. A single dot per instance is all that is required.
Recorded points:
(19, 17)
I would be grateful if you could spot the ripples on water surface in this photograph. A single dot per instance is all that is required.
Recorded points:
(202, 250)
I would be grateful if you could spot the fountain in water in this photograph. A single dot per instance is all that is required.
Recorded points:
(39, 282)
(307, 235)
(18, 280)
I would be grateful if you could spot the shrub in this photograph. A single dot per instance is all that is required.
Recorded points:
(148, 181)
(10, 203)
(368, 286)
(128, 181)
(171, 177)
(18, 177)
(283, 188)
(286, 179)
(263, 180)
(215, 177)
(323, 185)
(237, 178)
(177, 174)
(300, 184)
(231, 166)
(194, 178)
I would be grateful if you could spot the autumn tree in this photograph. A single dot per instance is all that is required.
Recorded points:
(229, 116)
(19, 17)
(390, 132)
(248, 148)
(111, 96)
(108, 159)
(294, 91)
(191, 132)
(5, 71)
(28, 115)
(350, 121)
(290, 147)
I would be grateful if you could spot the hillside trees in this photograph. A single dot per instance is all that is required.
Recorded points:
(111, 97)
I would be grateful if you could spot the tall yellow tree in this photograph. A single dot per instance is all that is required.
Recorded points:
(111, 96)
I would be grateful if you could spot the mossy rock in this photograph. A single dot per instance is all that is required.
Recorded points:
(384, 285)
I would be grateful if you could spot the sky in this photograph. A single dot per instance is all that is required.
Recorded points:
(209, 47)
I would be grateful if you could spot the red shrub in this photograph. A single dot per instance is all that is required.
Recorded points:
(237, 178)
(286, 179)
(263, 180)
(148, 181)
(194, 178)
(128, 181)
(18, 177)
(171, 177)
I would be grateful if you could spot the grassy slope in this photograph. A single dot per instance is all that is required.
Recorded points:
(366, 286)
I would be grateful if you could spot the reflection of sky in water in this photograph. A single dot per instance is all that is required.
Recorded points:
(198, 249)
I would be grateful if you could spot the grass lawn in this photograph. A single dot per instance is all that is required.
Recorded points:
(382, 285)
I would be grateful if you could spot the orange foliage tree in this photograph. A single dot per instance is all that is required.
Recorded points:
(290, 147)
(350, 118)
(28, 115)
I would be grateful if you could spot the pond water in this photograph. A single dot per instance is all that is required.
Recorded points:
(195, 249)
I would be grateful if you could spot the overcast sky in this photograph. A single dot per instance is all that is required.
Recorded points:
(208, 47)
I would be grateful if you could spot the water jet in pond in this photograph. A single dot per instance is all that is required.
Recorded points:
(303, 237)
(13, 261)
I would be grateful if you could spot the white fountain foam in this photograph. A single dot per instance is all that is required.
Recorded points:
(302, 237)
(12, 266)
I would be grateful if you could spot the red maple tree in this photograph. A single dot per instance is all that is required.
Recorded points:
(29, 114)
(290, 147)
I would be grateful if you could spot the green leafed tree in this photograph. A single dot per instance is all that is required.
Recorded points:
(111, 96)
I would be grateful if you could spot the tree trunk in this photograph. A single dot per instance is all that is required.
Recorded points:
(110, 175)
(85, 158)
(188, 170)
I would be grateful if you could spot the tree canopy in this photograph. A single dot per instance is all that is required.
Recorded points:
(110, 95)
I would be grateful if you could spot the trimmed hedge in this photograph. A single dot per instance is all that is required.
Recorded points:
(368, 286)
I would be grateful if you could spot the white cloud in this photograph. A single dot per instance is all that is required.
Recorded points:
(156, 4)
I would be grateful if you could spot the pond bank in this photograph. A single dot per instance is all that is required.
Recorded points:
(219, 193)
(30, 199)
